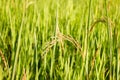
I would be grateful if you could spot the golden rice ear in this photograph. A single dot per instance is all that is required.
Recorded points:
(73, 41)
(97, 21)
(93, 61)
(61, 38)
(48, 46)
(3, 59)
(104, 20)
(24, 75)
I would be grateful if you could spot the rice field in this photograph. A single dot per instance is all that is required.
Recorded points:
(59, 40)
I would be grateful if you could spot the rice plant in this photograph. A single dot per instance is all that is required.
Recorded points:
(59, 40)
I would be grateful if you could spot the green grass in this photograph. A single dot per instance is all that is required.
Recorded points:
(59, 40)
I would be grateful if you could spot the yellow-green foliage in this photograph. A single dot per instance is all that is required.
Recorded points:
(60, 39)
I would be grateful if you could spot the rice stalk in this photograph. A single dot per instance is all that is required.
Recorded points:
(59, 37)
